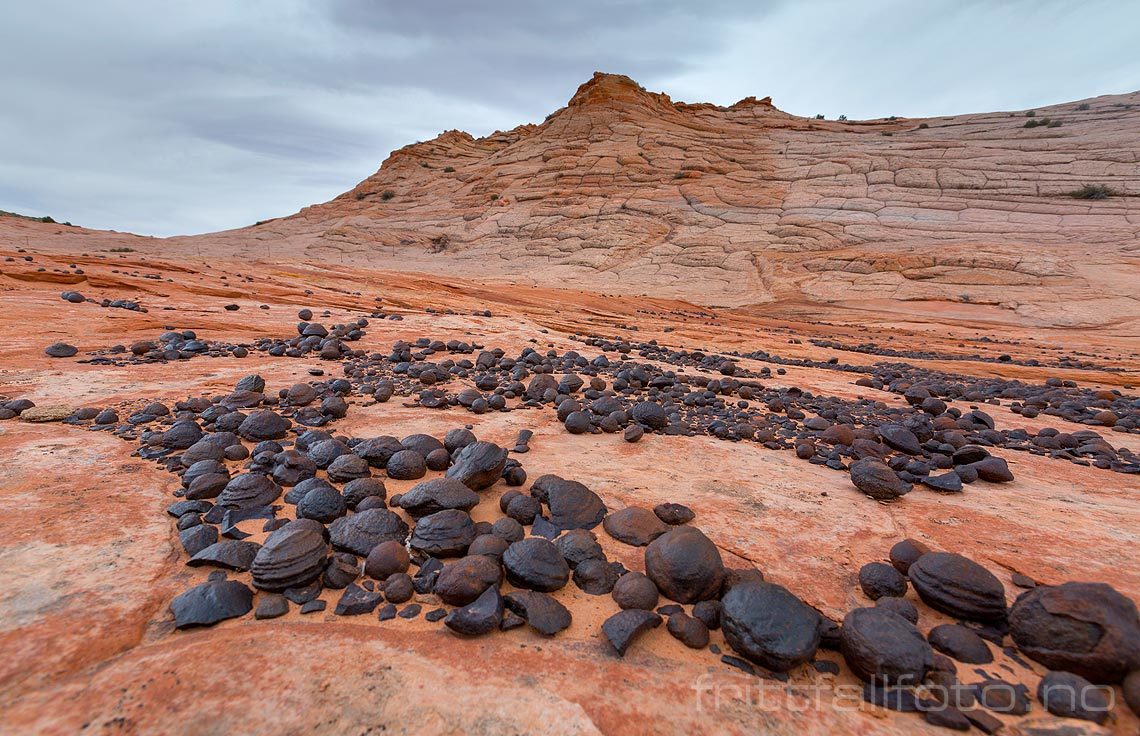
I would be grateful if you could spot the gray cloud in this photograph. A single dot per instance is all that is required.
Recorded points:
(166, 117)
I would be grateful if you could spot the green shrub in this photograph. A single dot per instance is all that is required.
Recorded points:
(842, 118)
(387, 194)
(923, 126)
(1083, 106)
(494, 197)
(449, 169)
(1054, 124)
(1031, 114)
(1030, 124)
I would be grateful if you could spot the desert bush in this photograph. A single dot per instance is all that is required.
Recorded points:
(387, 194)
(449, 169)
(1083, 106)
(1092, 191)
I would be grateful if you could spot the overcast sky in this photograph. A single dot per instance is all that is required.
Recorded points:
(163, 117)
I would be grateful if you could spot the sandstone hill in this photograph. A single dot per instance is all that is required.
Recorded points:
(626, 191)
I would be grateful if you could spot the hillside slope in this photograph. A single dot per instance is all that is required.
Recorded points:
(625, 191)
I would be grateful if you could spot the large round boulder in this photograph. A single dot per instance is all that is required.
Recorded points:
(884, 648)
(958, 586)
(767, 624)
(1085, 628)
(685, 565)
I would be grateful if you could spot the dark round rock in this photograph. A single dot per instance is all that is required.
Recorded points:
(445, 533)
(437, 459)
(634, 525)
(478, 465)
(387, 559)
(406, 465)
(377, 450)
(508, 529)
(1088, 629)
(878, 579)
(438, 494)
(904, 554)
(347, 468)
(960, 643)
(1068, 695)
(688, 630)
(360, 532)
(398, 588)
(536, 564)
(249, 490)
(1131, 688)
(358, 489)
(884, 648)
(708, 613)
(291, 556)
(524, 509)
(674, 514)
(464, 580)
(595, 577)
(650, 414)
(685, 565)
(635, 590)
(768, 625)
(578, 422)
(264, 425)
(901, 606)
(489, 545)
(60, 350)
(958, 586)
(874, 478)
(323, 504)
(572, 505)
(579, 545)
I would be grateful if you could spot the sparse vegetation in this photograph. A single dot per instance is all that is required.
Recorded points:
(1083, 106)
(966, 298)
(387, 194)
(1031, 114)
(123, 250)
(679, 175)
(1053, 124)
(842, 118)
(1030, 124)
(494, 197)
(819, 116)
(923, 126)
(1093, 191)
(887, 133)
(359, 196)
(449, 169)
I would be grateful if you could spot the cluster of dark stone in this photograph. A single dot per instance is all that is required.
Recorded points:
(13, 408)
(313, 339)
(1087, 634)
(870, 348)
(1055, 397)
(75, 297)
